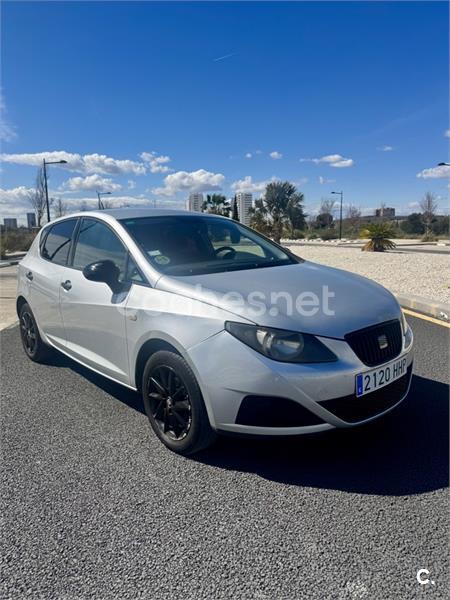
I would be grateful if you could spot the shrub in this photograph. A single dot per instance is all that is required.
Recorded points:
(17, 240)
(329, 234)
(378, 234)
(428, 237)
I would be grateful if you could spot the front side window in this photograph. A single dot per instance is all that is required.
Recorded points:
(96, 241)
(56, 245)
(187, 245)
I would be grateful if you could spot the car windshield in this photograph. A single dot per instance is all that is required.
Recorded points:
(188, 245)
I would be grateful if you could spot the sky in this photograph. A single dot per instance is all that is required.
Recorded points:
(152, 101)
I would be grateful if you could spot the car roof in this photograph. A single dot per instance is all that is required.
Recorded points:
(134, 213)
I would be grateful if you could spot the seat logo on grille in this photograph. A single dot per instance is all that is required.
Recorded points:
(382, 342)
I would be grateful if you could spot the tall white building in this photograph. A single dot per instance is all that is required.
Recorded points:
(195, 202)
(244, 202)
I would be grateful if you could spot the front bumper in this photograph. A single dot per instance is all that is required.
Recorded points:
(229, 371)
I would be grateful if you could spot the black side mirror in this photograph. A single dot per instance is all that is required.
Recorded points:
(104, 271)
(235, 235)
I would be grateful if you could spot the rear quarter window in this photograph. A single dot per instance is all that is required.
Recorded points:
(55, 245)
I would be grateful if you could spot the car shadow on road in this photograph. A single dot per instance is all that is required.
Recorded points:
(125, 395)
(403, 453)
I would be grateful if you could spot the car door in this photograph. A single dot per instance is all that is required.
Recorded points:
(45, 273)
(94, 316)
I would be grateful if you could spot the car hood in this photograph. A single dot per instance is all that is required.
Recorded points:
(271, 297)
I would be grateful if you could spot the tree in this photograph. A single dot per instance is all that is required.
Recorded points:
(428, 204)
(353, 217)
(107, 204)
(295, 213)
(84, 206)
(281, 206)
(259, 219)
(413, 224)
(59, 208)
(324, 219)
(378, 234)
(37, 197)
(235, 214)
(216, 204)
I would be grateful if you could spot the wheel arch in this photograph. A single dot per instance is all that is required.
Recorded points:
(19, 303)
(147, 349)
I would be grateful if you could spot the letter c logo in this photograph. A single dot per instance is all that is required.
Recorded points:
(423, 580)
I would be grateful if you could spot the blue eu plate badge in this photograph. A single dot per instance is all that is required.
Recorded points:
(359, 384)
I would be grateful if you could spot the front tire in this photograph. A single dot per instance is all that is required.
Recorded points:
(32, 342)
(174, 404)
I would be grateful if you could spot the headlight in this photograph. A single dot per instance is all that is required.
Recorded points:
(407, 333)
(404, 324)
(280, 345)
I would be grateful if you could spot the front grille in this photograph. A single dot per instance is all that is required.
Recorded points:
(377, 344)
(353, 409)
(271, 411)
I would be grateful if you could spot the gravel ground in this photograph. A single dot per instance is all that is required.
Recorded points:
(94, 507)
(402, 273)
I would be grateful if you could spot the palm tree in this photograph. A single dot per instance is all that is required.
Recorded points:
(216, 204)
(280, 206)
(378, 234)
(259, 217)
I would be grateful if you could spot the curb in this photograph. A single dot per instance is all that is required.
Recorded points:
(10, 263)
(438, 310)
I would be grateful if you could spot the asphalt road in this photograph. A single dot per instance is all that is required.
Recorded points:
(95, 507)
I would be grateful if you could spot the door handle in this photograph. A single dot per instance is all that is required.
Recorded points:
(67, 285)
(29, 276)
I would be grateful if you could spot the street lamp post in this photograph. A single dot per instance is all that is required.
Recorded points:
(341, 194)
(100, 203)
(44, 164)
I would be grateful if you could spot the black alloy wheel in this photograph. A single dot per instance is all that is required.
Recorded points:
(169, 402)
(174, 404)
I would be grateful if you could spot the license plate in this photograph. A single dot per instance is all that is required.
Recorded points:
(372, 380)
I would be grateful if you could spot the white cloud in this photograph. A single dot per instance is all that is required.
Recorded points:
(7, 131)
(131, 184)
(248, 155)
(87, 163)
(248, 185)
(156, 163)
(334, 160)
(447, 133)
(442, 172)
(91, 183)
(100, 163)
(276, 155)
(15, 201)
(385, 148)
(324, 180)
(194, 181)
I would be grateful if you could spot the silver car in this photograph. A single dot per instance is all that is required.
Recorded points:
(219, 328)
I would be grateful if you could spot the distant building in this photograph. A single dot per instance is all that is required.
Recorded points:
(244, 202)
(10, 223)
(31, 220)
(385, 211)
(195, 202)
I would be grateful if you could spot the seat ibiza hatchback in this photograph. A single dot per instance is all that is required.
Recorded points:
(219, 328)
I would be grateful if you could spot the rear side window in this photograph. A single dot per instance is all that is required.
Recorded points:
(57, 243)
(96, 241)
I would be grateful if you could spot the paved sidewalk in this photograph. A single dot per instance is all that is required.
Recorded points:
(8, 285)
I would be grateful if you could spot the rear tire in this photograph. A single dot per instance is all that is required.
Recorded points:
(174, 404)
(32, 343)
